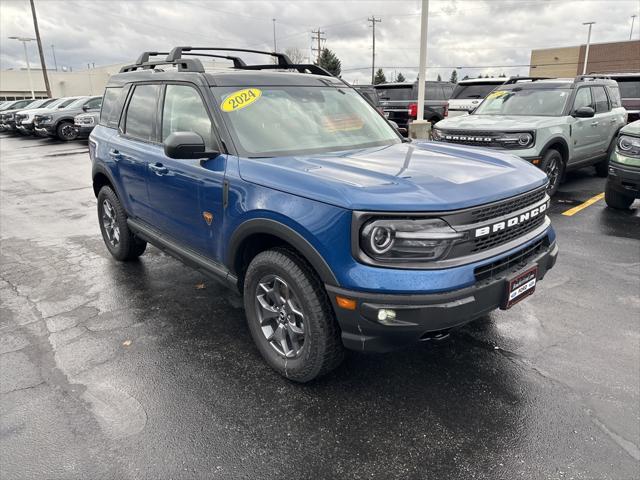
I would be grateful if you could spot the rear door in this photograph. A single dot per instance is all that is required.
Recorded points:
(605, 119)
(187, 194)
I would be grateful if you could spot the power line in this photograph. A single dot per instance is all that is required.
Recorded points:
(373, 20)
(318, 35)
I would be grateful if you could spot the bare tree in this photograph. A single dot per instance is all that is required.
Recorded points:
(295, 54)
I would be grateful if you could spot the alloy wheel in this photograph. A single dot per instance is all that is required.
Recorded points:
(110, 223)
(280, 316)
(553, 172)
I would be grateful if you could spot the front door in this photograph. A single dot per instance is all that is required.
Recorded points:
(585, 134)
(187, 194)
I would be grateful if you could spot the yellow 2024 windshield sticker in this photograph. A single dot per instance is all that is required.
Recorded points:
(240, 99)
(498, 94)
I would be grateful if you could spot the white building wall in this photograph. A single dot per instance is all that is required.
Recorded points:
(15, 83)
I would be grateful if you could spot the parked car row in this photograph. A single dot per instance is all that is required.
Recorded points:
(53, 117)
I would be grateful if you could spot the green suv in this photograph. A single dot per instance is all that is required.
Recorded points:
(623, 183)
(557, 124)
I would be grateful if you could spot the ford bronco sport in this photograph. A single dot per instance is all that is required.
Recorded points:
(556, 124)
(290, 187)
(623, 182)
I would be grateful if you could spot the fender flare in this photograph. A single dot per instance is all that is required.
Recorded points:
(553, 140)
(105, 171)
(285, 233)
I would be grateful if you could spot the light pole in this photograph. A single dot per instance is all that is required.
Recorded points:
(633, 19)
(24, 41)
(586, 52)
(53, 51)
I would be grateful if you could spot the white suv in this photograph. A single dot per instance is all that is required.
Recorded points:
(470, 92)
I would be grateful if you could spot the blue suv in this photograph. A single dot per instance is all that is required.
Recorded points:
(286, 184)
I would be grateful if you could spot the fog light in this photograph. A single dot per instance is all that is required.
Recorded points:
(386, 315)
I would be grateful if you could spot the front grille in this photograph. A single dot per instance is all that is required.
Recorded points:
(507, 206)
(19, 118)
(503, 236)
(514, 261)
(470, 137)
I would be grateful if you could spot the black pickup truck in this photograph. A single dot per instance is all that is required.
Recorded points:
(399, 101)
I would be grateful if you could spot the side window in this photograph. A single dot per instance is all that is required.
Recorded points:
(94, 104)
(433, 92)
(184, 111)
(614, 96)
(583, 99)
(600, 99)
(111, 107)
(141, 113)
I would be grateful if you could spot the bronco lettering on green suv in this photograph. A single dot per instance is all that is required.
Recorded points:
(555, 123)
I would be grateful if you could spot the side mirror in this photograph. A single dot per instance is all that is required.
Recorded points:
(85, 108)
(186, 145)
(584, 112)
(393, 124)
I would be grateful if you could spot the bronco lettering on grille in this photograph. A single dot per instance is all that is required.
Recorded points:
(511, 222)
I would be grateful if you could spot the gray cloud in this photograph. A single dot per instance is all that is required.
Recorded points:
(464, 33)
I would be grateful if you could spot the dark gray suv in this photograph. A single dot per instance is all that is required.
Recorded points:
(59, 122)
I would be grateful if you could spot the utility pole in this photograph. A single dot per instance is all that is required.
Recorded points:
(318, 36)
(422, 72)
(633, 20)
(53, 51)
(42, 62)
(586, 52)
(373, 21)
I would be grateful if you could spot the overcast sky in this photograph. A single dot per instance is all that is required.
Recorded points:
(462, 33)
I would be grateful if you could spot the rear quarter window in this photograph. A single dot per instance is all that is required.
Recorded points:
(396, 93)
(614, 96)
(112, 106)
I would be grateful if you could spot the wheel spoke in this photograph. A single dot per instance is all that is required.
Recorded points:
(268, 312)
(282, 289)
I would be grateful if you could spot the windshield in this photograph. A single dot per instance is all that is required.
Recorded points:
(286, 120)
(518, 101)
(76, 103)
(473, 90)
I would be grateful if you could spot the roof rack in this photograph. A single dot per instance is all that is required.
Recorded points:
(591, 76)
(175, 57)
(513, 80)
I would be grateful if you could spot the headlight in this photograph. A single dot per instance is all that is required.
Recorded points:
(628, 145)
(46, 118)
(515, 140)
(404, 240)
(436, 134)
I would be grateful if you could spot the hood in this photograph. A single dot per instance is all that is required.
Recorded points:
(34, 111)
(498, 122)
(401, 177)
(632, 129)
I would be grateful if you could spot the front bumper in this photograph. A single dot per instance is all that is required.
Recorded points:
(44, 130)
(418, 316)
(26, 128)
(84, 131)
(624, 178)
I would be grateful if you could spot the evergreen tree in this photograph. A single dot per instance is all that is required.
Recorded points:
(439, 78)
(454, 77)
(330, 62)
(401, 78)
(379, 77)
(502, 75)
(466, 77)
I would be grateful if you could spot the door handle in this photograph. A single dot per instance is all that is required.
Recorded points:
(158, 169)
(115, 154)
(594, 124)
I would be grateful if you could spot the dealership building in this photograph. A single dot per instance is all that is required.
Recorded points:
(613, 57)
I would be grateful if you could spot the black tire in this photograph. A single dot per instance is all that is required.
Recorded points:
(322, 348)
(616, 199)
(128, 246)
(553, 166)
(66, 132)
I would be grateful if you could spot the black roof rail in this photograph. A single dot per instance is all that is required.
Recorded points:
(184, 65)
(175, 57)
(176, 53)
(513, 80)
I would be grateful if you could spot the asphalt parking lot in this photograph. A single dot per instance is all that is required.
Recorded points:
(147, 370)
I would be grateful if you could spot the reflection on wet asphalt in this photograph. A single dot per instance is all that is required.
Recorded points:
(112, 370)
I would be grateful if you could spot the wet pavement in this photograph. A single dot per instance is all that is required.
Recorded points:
(147, 370)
